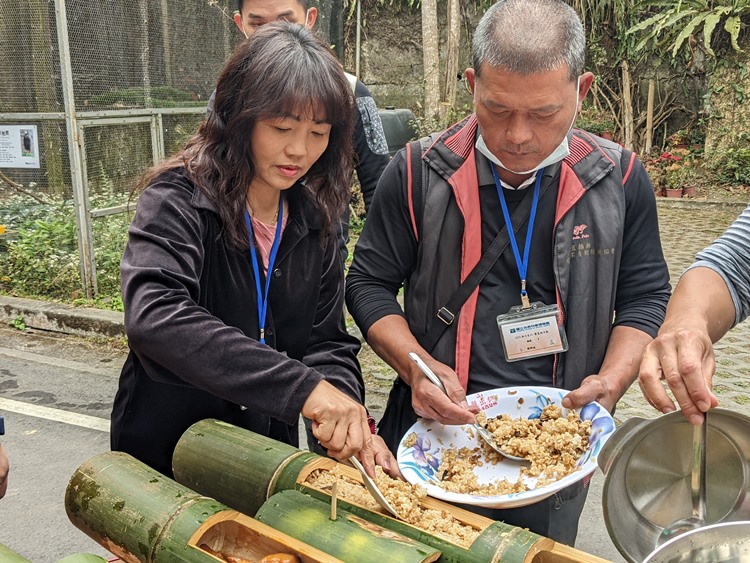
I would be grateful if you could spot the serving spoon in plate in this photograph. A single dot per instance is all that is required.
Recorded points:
(485, 434)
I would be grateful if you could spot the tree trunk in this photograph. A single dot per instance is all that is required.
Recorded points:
(648, 143)
(627, 107)
(451, 60)
(431, 59)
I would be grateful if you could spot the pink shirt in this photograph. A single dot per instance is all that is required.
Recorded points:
(264, 235)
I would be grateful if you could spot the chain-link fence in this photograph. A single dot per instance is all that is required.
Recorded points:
(91, 94)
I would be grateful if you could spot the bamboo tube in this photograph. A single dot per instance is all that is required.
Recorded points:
(83, 558)
(220, 460)
(349, 537)
(135, 512)
(232, 464)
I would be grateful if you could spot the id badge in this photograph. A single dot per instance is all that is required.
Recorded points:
(531, 332)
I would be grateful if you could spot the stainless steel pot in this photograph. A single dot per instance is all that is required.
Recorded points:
(728, 542)
(648, 464)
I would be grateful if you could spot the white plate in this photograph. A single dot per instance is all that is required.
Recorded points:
(420, 462)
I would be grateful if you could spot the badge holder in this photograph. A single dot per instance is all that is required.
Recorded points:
(531, 331)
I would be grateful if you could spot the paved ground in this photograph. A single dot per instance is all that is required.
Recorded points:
(686, 227)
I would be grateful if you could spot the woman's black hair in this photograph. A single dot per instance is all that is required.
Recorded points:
(282, 70)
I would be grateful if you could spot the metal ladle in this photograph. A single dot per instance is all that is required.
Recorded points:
(697, 488)
(372, 487)
(485, 434)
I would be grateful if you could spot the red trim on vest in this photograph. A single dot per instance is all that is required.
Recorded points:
(593, 141)
(578, 150)
(571, 190)
(629, 170)
(466, 192)
(409, 195)
(463, 141)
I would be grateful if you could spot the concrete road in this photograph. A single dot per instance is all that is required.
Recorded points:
(55, 394)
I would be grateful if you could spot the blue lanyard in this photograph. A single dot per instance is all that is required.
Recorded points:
(263, 297)
(523, 265)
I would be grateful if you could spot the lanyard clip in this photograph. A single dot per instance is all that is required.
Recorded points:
(524, 296)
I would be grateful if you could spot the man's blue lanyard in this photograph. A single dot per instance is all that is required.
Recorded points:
(523, 265)
(263, 297)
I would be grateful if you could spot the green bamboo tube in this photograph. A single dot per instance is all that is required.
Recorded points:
(349, 537)
(240, 468)
(10, 556)
(83, 558)
(222, 461)
(135, 512)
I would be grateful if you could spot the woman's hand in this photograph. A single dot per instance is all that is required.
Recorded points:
(339, 423)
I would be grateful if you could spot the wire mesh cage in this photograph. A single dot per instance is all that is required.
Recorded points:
(93, 93)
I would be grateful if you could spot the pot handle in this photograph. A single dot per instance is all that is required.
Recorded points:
(613, 446)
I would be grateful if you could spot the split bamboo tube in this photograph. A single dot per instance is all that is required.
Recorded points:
(239, 467)
(349, 537)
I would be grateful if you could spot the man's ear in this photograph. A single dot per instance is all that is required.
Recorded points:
(237, 17)
(470, 79)
(310, 17)
(587, 79)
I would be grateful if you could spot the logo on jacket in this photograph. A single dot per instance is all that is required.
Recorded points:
(579, 232)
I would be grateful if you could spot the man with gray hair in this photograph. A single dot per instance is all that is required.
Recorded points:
(452, 222)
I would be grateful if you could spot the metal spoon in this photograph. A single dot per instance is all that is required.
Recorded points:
(485, 434)
(697, 488)
(373, 488)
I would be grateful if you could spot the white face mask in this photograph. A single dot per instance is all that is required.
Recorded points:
(561, 151)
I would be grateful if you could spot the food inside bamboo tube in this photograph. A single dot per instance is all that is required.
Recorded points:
(405, 498)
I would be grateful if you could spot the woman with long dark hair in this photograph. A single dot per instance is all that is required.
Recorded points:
(232, 287)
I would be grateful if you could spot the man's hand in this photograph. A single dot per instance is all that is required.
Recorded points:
(339, 423)
(684, 357)
(429, 401)
(594, 388)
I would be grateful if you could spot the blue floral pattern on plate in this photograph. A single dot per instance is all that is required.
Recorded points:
(420, 461)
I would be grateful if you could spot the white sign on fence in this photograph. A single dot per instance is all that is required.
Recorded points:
(19, 146)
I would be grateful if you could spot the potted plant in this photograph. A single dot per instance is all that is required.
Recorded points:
(680, 179)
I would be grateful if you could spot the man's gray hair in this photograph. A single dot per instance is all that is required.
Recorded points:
(529, 37)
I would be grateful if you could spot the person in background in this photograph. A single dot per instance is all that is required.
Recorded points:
(370, 144)
(711, 297)
(231, 280)
(592, 275)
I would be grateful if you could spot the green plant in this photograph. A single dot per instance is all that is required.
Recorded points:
(733, 166)
(18, 323)
(595, 121)
(675, 24)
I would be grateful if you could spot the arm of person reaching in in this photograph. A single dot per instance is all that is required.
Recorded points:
(710, 298)
(4, 469)
(700, 313)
